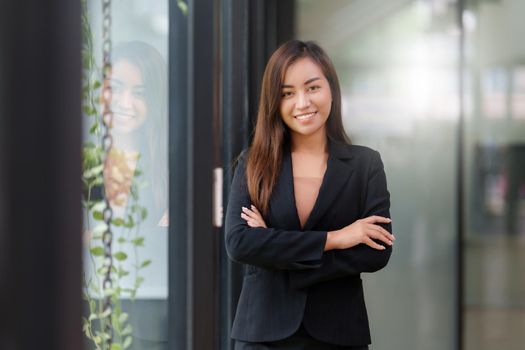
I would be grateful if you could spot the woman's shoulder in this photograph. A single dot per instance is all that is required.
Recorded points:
(365, 151)
(359, 152)
(240, 159)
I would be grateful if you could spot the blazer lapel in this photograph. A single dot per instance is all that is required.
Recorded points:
(337, 174)
(282, 201)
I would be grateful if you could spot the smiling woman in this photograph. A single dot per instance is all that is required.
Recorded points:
(139, 104)
(308, 213)
(129, 106)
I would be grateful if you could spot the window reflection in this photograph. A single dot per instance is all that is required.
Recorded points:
(136, 180)
(139, 106)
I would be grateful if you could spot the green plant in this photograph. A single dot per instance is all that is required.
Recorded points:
(125, 226)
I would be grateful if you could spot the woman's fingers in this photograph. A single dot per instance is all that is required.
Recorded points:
(372, 233)
(251, 222)
(253, 218)
(369, 242)
(251, 213)
(383, 232)
(376, 218)
(255, 210)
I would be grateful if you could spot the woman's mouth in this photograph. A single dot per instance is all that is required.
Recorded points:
(305, 116)
(123, 115)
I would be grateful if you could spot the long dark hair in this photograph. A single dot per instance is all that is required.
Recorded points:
(265, 153)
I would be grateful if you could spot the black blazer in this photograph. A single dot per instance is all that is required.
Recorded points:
(288, 276)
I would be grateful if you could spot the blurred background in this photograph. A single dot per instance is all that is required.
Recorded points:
(436, 86)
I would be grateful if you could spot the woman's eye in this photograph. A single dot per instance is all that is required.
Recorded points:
(286, 94)
(313, 88)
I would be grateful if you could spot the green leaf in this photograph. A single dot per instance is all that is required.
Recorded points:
(127, 330)
(96, 84)
(117, 222)
(130, 223)
(116, 346)
(105, 313)
(120, 256)
(145, 263)
(100, 206)
(143, 213)
(86, 109)
(121, 272)
(139, 241)
(183, 7)
(121, 240)
(139, 281)
(97, 251)
(96, 170)
(94, 287)
(102, 270)
(123, 317)
(97, 215)
(127, 342)
(92, 305)
(97, 181)
(100, 229)
(93, 128)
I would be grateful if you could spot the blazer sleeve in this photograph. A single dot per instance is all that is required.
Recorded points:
(267, 247)
(361, 258)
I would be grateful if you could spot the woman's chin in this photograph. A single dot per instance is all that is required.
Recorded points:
(125, 124)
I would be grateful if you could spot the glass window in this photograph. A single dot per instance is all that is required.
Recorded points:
(135, 178)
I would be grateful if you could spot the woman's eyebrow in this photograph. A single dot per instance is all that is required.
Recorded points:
(305, 83)
(311, 80)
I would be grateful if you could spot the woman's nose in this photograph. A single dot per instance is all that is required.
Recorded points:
(124, 100)
(303, 101)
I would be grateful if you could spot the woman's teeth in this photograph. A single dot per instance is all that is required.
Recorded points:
(305, 116)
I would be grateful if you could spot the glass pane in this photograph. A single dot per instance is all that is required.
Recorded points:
(494, 175)
(397, 62)
(135, 178)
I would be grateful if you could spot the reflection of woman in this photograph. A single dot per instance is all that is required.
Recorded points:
(139, 106)
(307, 214)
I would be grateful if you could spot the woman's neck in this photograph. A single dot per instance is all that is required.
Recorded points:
(126, 142)
(313, 144)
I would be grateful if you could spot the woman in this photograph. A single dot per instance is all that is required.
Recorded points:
(307, 213)
(139, 105)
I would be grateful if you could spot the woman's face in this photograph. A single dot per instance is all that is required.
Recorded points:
(306, 98)
(128, 104)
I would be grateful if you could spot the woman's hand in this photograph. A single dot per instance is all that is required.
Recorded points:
(361, 231)
(253, 217)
